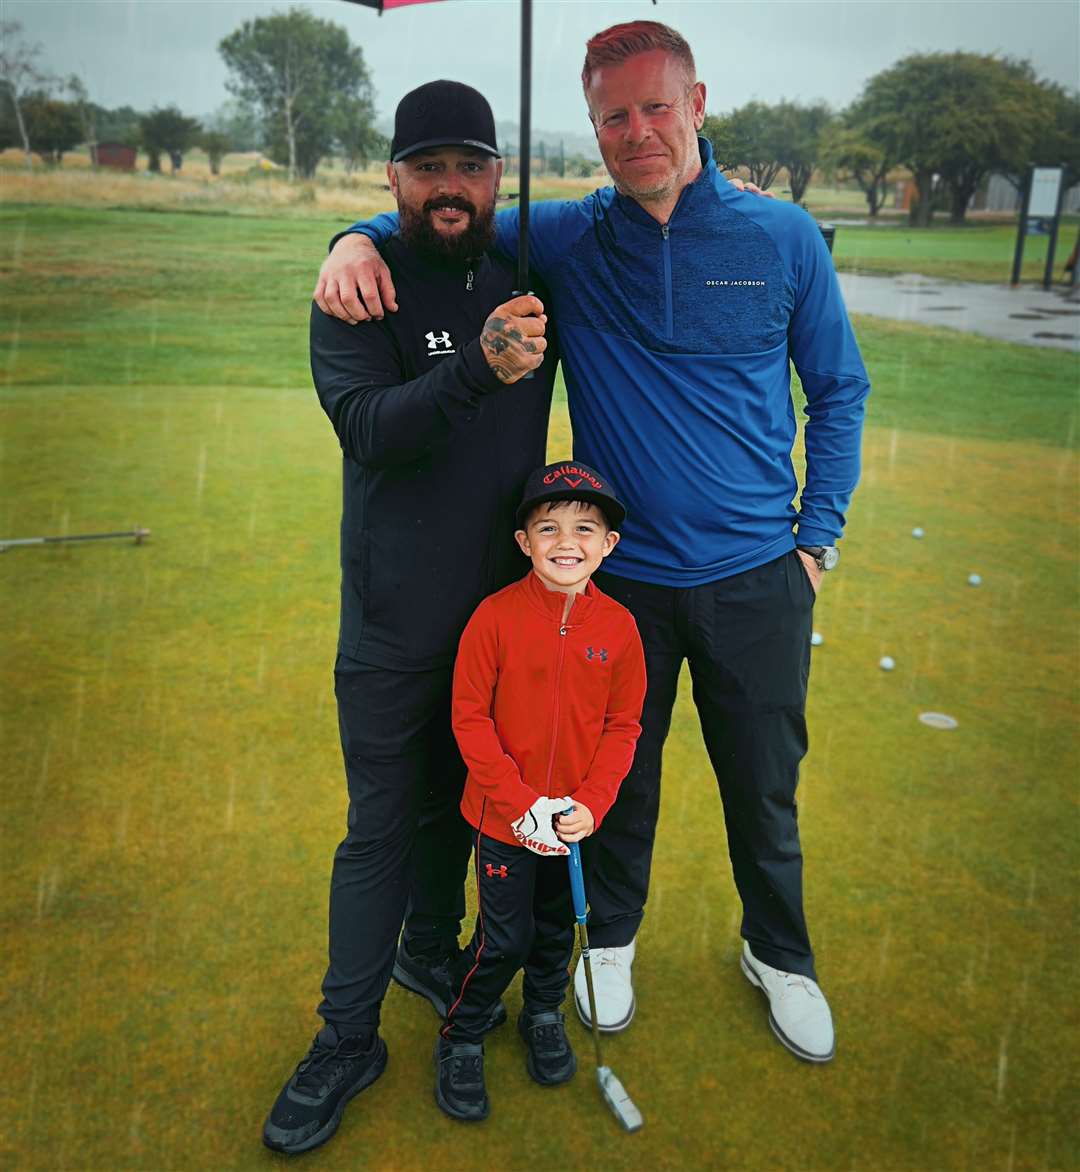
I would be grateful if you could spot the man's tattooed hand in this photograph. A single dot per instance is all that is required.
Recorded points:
(513, 338)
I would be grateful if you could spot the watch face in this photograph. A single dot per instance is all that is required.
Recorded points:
(830, 555)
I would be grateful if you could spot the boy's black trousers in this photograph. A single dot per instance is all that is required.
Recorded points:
(524, 919)
(747, 641)
(407, 846)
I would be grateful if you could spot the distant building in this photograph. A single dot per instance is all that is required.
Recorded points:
(114, 154)
(996, 194)
(999, 195)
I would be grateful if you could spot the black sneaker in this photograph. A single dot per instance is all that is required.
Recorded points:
(431, 978)
(550, 1059)
(459, 1080)
(311, 1103)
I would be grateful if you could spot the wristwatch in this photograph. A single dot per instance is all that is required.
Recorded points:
(826, 556)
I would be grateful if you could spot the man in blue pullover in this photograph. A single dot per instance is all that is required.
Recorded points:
(680, 303)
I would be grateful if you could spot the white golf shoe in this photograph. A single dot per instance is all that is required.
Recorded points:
(612, 986)
(798, 1012)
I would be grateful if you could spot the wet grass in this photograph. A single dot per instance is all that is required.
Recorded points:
(977, 251)
(172, 789)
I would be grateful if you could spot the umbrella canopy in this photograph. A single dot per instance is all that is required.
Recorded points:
(525, 120)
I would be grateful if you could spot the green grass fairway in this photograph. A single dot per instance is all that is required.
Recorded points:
(974, 252)
(173, 792)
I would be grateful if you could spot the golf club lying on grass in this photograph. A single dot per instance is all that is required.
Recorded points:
(613, 1090)
(138, 534)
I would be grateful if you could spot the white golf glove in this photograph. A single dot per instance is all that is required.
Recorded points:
(535, 830)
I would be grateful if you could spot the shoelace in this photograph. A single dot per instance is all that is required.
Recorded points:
(319, 1067)
(796, 981)
(550, 1035)
(469, 1064)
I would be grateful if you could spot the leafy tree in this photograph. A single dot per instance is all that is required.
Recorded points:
(304, 77)
(167, 131)
(123, 125)
(239, 123)
(850, 155)
(958, 115)
(1056, 139)
(19, 74)
(52, 126)
(360, 143)
(748, 137)
(9, 129)
(797, 143)
(84, 108)
(580, 167)
(217, 146)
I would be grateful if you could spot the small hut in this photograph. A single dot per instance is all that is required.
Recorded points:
(114, 154)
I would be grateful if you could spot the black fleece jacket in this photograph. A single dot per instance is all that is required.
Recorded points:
(436, 453)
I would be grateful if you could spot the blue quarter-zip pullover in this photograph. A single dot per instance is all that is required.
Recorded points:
(676, 341)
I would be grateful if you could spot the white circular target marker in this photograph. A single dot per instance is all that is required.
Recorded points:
(938, 720)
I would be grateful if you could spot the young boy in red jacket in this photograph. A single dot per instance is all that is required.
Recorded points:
(548, 688)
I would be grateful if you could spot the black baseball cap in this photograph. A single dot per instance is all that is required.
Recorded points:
(442, 113)
(570, 480)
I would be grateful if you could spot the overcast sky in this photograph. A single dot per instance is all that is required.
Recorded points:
(160, 52)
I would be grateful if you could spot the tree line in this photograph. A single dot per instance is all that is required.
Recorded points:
(302, 91)
(950, 119)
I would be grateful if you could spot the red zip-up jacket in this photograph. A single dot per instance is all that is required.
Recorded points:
(544, 708)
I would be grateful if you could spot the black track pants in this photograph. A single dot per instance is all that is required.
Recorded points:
(525, 919)
(407, 844)
(747, 640)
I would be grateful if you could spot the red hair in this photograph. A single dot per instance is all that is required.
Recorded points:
(615, 45)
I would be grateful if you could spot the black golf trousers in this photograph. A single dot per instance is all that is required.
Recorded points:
(747, 641)
(407, 846)
(525, 919)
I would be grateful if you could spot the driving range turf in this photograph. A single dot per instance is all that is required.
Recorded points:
(173, 791)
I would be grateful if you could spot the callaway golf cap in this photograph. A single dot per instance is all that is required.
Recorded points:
(442, 113)
(570, 481)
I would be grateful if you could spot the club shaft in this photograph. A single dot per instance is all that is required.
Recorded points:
(8, 541)
(583, 937)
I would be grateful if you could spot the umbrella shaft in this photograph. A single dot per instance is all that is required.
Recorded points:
(525, 146)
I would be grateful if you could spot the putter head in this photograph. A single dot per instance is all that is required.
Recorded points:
(618, 1100)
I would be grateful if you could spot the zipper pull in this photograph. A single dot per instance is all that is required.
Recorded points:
(469, 281)
(664, 231)
(562, 630)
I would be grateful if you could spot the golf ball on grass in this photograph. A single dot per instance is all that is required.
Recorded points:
(816, 640)
(974, 580)
(887, 663)
(917, 531)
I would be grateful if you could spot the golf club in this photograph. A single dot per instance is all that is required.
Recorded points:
(139, 534)
(612, 1089)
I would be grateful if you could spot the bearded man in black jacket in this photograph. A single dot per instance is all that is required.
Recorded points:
(439, 434)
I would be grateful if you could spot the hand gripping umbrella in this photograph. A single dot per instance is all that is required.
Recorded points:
(525, 147)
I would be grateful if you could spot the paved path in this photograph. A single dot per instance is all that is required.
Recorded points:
(1029, 314)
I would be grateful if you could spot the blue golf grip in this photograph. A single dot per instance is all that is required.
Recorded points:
(577, 881)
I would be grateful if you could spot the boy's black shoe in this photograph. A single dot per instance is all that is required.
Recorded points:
(311, 1103)
(431, 978)
(550, 1060)
(459, 1080)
